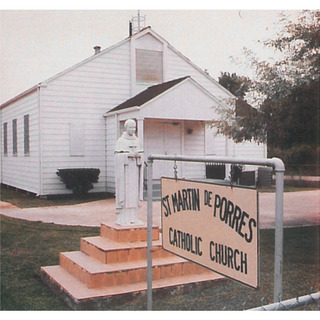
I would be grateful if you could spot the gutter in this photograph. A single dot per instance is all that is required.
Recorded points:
(126, 110)
(19, 96)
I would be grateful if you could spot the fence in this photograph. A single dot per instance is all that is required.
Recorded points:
(279, 169)
(299, 302)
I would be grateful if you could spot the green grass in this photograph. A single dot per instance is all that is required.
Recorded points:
(26, 246)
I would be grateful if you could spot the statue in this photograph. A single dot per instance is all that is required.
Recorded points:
(129, 176)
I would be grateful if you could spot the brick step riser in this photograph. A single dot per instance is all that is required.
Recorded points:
(127, 234)
(121, 255)
(139, 274)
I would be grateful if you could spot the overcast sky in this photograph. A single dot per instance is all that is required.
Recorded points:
(37, 44)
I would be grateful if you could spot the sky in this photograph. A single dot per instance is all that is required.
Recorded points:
(39, 42)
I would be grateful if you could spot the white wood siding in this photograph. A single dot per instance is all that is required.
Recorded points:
(154, 46)
(186, 101)
(178, 67)
(194, 144)
(215, 145)
(250, 150)
(111, 138)
(22, 171)
(82, 95)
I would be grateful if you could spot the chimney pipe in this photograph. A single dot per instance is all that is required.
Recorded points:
(130, 28)
(97, 49)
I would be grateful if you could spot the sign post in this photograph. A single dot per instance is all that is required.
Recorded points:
(279, 168)
(149, 237)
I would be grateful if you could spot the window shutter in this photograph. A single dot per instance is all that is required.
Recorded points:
(14, 137)
(5, 138)
(26, 135)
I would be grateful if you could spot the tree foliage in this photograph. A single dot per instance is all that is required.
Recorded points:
(285, 93)
(237, 85)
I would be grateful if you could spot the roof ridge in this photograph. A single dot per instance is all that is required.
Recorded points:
(169, 81)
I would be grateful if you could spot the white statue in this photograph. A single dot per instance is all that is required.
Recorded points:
(129, 176)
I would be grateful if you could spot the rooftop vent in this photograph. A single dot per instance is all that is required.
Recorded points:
(97, 49)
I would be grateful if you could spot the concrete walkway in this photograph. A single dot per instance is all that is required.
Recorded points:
(300, 209)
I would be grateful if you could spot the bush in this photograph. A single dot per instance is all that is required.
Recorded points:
(80, 181)
(235, 173)
(299, 154)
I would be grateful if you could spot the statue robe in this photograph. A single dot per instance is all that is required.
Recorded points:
(129, 179)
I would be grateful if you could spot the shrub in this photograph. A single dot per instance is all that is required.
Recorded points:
(235, 173)
(298, 154)
(80, 181)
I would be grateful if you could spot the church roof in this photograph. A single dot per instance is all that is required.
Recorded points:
(148, 94)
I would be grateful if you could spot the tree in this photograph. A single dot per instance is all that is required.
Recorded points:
(237, 85)
(238, 120)
(285, 93)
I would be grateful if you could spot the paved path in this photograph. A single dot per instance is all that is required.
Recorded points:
(300, 209)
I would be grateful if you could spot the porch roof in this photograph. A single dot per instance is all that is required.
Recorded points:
(147, 95)
(182, 98)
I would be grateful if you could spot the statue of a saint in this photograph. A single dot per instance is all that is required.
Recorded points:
(129, 176)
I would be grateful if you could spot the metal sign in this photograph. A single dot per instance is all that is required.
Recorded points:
(213, 225)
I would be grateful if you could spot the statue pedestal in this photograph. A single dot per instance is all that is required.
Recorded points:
(118, 233)
(128, 217)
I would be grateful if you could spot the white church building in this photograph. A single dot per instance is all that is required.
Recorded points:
(73, 119)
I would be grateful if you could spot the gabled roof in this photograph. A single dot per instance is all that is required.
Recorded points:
(147, 95)
(45, 82)
(136, 35)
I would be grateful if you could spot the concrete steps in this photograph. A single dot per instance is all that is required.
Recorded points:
(113, 267)
(108, 251)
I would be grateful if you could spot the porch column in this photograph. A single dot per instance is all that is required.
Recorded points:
(140, 123)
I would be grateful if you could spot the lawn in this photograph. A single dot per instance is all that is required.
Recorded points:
(26, 246)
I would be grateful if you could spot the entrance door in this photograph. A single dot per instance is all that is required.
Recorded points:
(163, 138)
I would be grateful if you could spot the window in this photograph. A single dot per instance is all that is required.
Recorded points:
(149, 66)
(76, 139)
(5, 138)
(26, 135)
(14, 137)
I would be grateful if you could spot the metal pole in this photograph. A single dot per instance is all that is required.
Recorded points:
(149, 237)
(278, 251)
(279, 168)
